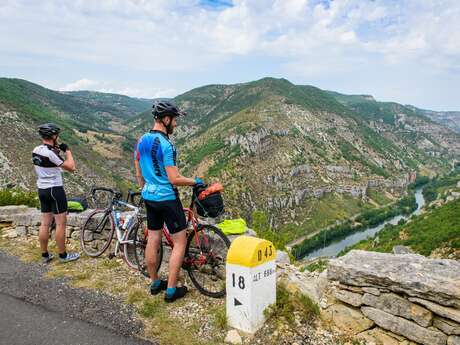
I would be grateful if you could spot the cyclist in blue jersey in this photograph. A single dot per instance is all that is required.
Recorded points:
(158, 175)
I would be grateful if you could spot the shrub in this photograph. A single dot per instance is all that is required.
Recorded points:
(18, 197)
(319, 266)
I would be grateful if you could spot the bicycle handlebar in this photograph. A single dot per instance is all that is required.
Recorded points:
(116, 194)
(131, 195)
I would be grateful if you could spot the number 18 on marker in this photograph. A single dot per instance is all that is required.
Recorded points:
(251, 282)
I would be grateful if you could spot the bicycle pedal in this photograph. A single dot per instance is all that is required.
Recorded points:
(111, 256)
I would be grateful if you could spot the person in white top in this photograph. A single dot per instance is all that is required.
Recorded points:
(53, 201)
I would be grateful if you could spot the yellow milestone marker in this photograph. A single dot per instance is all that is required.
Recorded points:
(251, 282)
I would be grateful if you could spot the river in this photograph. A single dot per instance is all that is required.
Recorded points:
(336, 247)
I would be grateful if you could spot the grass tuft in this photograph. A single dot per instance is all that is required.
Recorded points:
(149, 308)
(288, 304)
(135, 296)
(220, 318)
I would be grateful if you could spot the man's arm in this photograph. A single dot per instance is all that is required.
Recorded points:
(139, 177)
(69, 163)
(176, 178)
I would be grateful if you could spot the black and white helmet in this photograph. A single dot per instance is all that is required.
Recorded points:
(161, 109)
(47, 130)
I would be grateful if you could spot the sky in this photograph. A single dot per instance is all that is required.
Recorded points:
(406, 51)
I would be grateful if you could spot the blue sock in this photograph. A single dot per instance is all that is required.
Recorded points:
(170, 291)
(156, 283)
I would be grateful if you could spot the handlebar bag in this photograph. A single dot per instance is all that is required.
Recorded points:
(209, 202)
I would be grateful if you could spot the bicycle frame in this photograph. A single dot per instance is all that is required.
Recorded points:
(122, 235)
(193, 222)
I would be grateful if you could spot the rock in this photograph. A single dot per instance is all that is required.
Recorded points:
(282, 257)
(355, 299)
(348, 318)
(351, 288)
(447, 326)
(372, 291)
(78, 219)
(407, 342)
(7, 212)
(448, 313)
(13, 209)
(12, 233)
(233, 337)
(33, 230)
(249, 232)
(453, 340)
(76, 235)
(302, 282)
(400, 250)
(432, 279)
(404, 327)
(322, 284)
(21, 230)
(396, 305)
(378, 337)
(31, 218)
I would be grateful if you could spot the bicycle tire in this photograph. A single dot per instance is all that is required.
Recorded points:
(140, 242)
(129, 254)
(87, 233)
(194, 269)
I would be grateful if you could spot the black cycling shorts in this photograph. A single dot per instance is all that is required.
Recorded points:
(53, 200)
(168, 212)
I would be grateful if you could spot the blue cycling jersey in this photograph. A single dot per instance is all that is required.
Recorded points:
(154, 152)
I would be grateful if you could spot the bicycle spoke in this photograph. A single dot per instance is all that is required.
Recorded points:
(96, 233)
(207, 251)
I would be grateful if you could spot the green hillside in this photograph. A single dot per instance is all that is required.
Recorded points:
(85, 127)
(119, 106)
(81, 110)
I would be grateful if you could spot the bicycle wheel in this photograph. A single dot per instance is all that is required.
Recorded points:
(139, 235)
(97, 233)
(205, 259)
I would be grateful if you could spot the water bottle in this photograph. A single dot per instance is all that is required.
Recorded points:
(117, 218)
(128, 222)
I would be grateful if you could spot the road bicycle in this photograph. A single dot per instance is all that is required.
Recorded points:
(205, 254)
(99, 228)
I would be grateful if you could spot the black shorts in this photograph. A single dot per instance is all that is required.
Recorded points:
(53, 200)
(170, 212)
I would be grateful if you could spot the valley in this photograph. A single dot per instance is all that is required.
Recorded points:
(293, 157)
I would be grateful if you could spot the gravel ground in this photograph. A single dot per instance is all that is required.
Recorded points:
(26, 282)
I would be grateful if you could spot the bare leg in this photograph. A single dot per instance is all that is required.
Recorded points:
(43, 233)
(151, 252)
(177, 256)
(61, 222)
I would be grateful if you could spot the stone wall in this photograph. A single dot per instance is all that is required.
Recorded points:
(395, 299)
(26, 221)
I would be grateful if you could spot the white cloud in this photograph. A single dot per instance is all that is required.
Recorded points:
(174, 40)
(82, 84)
(109, 87)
